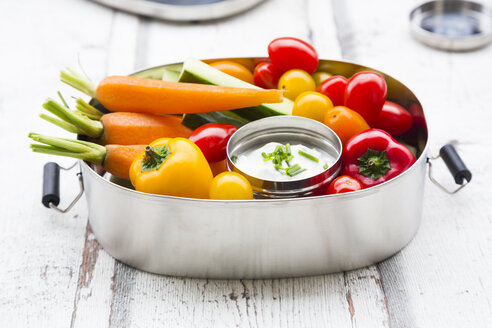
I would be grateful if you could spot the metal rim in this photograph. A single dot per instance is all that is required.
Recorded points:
(446, 42)
(182, 13)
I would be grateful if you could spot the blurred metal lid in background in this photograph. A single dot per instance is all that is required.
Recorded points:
(452, 24)
(182, 10)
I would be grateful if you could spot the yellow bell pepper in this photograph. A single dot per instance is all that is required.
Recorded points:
(174, 167)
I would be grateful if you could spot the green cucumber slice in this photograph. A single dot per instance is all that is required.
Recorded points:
(196, 71)
(170, 75)
(194, 121)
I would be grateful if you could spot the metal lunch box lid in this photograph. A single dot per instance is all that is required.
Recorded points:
(182, 10)
(293, 130)
(452, 24)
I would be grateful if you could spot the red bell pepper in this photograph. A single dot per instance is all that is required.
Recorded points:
(373, 157)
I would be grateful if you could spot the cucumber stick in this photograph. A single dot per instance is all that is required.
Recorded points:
(196, 71)
(193, 121)
(170, 75)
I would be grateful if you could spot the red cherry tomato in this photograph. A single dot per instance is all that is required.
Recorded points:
(212, 140)
(394, 119)
(292, 53)
(343, 184)
(334, 88)
(366, 94)
(266, 75)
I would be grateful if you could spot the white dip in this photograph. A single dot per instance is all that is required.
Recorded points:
(253, 163)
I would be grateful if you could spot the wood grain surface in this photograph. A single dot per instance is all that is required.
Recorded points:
(55, 274)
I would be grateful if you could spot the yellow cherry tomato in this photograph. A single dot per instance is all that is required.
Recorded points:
(230, 185)
(345, 122)
(320, 77)
(234, 69)
(313, 105)
(295, 82)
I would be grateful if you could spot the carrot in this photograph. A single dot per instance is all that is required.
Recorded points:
(114, 128)
(140, 128)
(115, 159)
(133, 94)
(119, 159)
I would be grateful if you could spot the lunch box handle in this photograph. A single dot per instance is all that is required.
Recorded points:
(51, 186)
(462, 176)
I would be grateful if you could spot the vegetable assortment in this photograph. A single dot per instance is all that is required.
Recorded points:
(170, 137)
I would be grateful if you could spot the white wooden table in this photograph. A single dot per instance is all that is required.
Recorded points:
(53, 273)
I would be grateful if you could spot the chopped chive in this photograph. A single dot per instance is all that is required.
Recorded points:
(293, 168)
(234, 159)
(309, 156)
(284, 153)
(325, 166)
(292, 173)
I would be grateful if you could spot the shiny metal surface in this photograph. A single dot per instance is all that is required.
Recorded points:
(293, 130)
(452, 25)
(262, 238)
(182, 10)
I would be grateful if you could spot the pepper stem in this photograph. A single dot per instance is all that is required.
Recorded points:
(83, 150)
(73, 121)
(155, 157)
(374, 164)
(78, 81)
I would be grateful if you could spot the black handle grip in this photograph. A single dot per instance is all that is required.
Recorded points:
(51, 184)
(455, 165)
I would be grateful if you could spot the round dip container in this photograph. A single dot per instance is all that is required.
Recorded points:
(291, 130)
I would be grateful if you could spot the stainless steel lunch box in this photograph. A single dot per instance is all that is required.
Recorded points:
(267, 238)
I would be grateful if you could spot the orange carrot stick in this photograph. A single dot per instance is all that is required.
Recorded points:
(140, 128)
(115, 159)
(133, 94)
(119, 159)
(115, 128)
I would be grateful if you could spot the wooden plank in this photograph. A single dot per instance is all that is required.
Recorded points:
(442, 278)
(94, 289)
(40, 249)
(95, 304)
(244, 35)
(339, 300)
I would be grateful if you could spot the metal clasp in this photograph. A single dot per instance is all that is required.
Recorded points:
(437, 183)
(76, 199)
